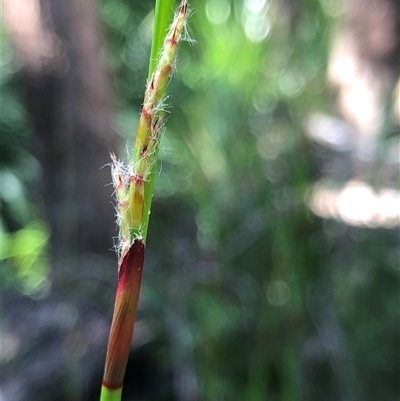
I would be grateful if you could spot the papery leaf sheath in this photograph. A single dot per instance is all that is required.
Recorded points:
(126, 301)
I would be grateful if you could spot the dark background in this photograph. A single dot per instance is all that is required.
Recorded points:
(272, 265)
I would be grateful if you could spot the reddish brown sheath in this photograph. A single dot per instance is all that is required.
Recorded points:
(125, 307)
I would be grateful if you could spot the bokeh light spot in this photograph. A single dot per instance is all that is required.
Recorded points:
(255, 6)
(257, 27)
(278, 293)
(218, 11)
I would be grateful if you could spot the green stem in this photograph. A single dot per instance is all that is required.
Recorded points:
(162, 18)
(134, 195)
(110, 395)
(164, 12)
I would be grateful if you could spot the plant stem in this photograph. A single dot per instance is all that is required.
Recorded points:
(134, 191)
(162, 17)
(152, 117)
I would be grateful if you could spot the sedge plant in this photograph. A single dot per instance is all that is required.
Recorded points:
(133, 185)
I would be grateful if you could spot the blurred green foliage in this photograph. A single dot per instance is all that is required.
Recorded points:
(23, 238)
(26, 249)
(259, 298)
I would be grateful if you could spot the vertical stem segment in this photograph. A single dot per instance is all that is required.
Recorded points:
(134, 190)
(150, 126)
